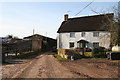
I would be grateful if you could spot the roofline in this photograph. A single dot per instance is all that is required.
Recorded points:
(39, 35)
(91, 16)
(84, 31)
(108, 14)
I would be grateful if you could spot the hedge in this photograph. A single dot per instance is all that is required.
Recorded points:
(99, 52)
(69, 52)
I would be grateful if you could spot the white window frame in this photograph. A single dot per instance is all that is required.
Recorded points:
(83, 34)
(95, 34)
(72, 34)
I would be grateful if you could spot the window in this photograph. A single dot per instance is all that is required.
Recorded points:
(83, 34)
(71, 44)
(95, 34)
(96, 44)
(72, 34)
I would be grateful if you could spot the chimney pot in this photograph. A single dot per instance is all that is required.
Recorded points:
(66, 17)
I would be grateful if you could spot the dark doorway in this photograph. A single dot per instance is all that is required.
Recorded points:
(83, 45)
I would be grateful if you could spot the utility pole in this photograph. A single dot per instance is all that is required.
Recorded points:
(33, 31)
(46, 36)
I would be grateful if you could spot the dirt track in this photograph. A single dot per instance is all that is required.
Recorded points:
(93, 68)
(46, 66)
(43, 66)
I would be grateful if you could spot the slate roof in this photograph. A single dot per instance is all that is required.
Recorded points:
(87, 23)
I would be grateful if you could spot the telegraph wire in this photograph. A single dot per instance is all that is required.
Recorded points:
(84, 8)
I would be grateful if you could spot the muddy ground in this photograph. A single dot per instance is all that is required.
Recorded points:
(47, 66)
(93, 68)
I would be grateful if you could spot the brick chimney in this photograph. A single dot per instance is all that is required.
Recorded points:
(66, 17)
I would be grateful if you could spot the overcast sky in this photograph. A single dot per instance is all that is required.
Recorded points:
(20, 18)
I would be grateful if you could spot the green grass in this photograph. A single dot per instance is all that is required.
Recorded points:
(59, 57)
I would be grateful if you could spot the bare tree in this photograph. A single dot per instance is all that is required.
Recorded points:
(112, 26)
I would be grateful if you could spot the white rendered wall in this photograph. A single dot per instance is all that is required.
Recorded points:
(64, 39)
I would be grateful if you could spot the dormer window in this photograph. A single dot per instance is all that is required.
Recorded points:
(95, 34)
(72, 35)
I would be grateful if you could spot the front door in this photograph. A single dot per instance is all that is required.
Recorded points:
(82, 45)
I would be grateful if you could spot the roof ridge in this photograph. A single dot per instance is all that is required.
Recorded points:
(91, 16)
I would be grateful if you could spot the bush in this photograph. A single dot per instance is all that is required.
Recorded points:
(73, 53)
(99, 52)
(88, 50)
(88, 54)
(100, 55)
(81, 49)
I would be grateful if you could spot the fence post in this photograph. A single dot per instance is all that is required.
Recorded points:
(16, 52)
(3, 54)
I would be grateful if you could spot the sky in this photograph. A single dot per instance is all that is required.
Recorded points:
(20, 18)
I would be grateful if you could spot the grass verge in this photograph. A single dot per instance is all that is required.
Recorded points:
(59, 57)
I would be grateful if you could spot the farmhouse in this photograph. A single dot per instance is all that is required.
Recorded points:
(85, 32)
